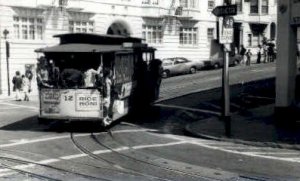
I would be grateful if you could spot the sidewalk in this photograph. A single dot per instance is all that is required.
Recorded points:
(32, 97)
(255, 126)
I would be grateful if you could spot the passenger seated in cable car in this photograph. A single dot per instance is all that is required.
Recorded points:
(72, 78)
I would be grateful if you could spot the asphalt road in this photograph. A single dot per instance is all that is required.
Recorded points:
(153, 147)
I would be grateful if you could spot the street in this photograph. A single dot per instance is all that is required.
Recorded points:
(153, 146)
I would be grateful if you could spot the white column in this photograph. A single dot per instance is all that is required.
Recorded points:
(286, 64)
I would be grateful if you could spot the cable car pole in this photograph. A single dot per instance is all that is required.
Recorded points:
(226, 21)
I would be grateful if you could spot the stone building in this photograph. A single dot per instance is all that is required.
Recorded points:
(175, 27)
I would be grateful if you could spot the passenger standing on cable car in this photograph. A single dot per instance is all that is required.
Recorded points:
(107, 91)
(43, 73)
(54, 74)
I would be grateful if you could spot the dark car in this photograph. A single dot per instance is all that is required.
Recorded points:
(179, 65)
(219, 62)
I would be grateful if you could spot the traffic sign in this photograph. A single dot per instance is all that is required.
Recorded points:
(228, 10)
(295, 15)
(226, 30)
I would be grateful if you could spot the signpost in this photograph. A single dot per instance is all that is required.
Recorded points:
(229, 10)
(226, 21)
(295, 15)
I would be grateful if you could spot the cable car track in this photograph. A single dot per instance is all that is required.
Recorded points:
(117, 167)
(181, 172)
(27, 173)
(21, 161)
(70, 161)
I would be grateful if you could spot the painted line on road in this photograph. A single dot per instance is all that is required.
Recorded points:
(20, 106)
(25, 141)
(273, 153)
(7, 172)
(251, 154)
(189, 109)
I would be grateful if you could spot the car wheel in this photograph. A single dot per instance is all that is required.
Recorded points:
(193, 70)
(216, 65)
(165, 74)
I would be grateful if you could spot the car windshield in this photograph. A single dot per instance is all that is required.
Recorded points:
(167, 62)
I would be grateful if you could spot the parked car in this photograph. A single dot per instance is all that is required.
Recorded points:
(219, 62)
(179, 65)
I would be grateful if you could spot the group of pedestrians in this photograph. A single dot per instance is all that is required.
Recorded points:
(265, 54)
(22, 85)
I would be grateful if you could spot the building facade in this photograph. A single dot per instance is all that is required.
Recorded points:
(175, 27)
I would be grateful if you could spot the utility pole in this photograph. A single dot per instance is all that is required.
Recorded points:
(286, 63)
(5, 33)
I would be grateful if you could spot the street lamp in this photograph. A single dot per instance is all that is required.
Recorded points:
(5, 33)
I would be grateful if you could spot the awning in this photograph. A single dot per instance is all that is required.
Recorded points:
(82, 48)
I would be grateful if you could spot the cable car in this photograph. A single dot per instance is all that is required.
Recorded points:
(93, 77)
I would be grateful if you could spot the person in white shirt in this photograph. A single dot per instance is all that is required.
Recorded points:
(90, 76)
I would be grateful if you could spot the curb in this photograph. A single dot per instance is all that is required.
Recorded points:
(6, 98)
(191, 132)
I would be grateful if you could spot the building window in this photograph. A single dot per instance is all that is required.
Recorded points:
(193, 3)
(184, 3)
(254, 6)
(239, 4)
(81, 26)
(210, 34)
(188, 3)
(63, 3)
(188, 36)
(264, 6)
(249, 41)
(28, 28)
(150, 2)
(211, 4)
(152, 34)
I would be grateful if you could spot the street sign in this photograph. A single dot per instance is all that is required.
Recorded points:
(226, 30)
(228, 10)
(295, 15)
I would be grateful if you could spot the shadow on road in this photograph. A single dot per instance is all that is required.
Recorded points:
(32, 124)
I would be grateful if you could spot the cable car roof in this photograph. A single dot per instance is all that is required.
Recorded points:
(85, 43)
(82, 48)
(95, 38)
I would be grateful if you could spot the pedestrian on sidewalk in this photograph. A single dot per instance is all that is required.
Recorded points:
(271, 53)
(17, 85)
(265, 53)
(242, 53)
(29, 75)
(248, 55)
(259, 53)
(25, 87)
